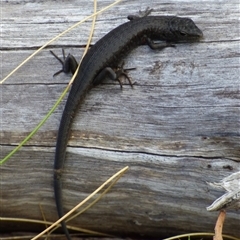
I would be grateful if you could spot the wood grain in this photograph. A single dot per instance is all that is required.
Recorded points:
(178, 128)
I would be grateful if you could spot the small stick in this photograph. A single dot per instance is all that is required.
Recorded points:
(219, 225)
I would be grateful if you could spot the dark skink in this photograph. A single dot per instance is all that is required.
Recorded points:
(103, 60)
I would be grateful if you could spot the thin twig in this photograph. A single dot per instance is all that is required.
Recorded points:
(219, 225)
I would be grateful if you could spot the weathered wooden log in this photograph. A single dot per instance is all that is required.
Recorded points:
(178, 128)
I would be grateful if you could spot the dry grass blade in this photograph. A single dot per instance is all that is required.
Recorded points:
(120, 173)
(55, 38)
(2, 161)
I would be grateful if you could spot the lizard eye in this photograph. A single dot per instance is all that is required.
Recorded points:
(182, 33)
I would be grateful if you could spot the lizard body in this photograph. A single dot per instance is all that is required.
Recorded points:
(100, 61)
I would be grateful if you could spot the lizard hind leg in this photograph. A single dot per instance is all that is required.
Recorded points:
(69, 63)
(114, 74)
(120, 71)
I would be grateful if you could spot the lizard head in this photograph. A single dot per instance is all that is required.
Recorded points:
(184, 29)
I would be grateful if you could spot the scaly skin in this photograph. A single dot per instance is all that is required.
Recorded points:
(106, 55)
